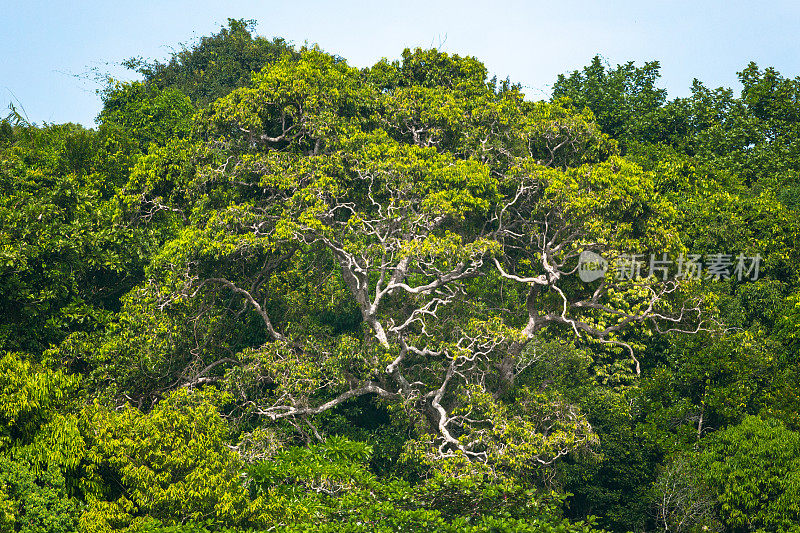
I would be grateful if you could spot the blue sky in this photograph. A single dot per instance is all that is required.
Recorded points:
(51, 51)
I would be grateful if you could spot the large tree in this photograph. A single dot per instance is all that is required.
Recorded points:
(447, 220)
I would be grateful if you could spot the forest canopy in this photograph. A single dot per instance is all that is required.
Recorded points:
(271, 291)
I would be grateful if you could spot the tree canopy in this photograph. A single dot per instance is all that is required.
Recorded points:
(271, 291)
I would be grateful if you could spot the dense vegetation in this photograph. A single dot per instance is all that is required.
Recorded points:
(271, 291)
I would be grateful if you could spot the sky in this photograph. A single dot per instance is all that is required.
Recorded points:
(54, 55)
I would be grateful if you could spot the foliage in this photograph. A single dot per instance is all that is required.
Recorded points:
(64, 264)
(625, 100)
(272, 291)
(212, 67)
(171, 465)
(146, 113)
(31, 503)
(753, 471)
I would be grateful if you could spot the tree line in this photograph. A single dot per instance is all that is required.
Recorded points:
(271, 291)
